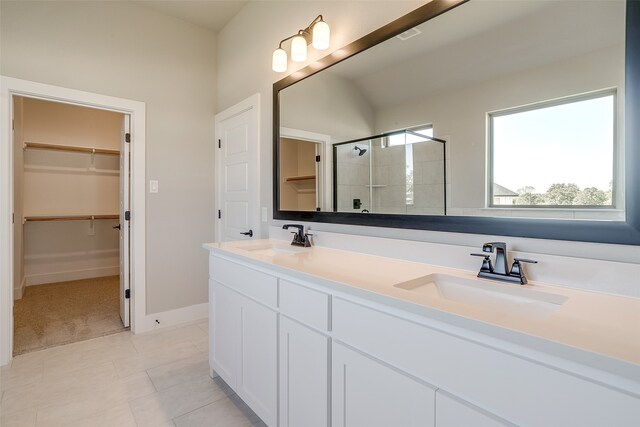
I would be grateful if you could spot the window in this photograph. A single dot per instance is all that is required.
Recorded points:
(555, 154)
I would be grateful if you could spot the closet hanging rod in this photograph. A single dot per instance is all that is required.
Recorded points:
(70, 218)
(41, 146)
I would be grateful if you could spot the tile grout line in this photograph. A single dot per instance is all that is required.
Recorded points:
(151, 380)
(196, 409)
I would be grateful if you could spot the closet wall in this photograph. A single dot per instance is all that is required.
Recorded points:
(67, 183)
(298, 172)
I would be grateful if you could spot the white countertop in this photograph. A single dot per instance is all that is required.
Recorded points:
(600, 324)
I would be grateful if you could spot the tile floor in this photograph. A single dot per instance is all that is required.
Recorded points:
(159, 378)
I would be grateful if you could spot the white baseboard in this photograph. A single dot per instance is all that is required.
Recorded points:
(64, 276)
(172, 317)
(19, 291)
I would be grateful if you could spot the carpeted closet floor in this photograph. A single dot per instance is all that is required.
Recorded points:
(60, 313)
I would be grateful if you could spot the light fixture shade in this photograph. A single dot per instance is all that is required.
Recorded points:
(321, 35)
(299, 49)
(279, 62)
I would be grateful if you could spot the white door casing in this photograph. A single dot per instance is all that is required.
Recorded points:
(237, 163)
(136, 110)
(125, 166)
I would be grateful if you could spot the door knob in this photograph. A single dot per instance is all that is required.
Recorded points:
(117, 226)
(248, 233)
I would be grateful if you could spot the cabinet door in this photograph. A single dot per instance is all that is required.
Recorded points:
(304, 376)
(368, 393)
(224, 344)
(454, 412)
(258, 370)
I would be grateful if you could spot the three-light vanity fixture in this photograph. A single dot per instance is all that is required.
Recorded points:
(317, 34)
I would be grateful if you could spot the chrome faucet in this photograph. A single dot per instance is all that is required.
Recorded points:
(300, 238)
(501, 269)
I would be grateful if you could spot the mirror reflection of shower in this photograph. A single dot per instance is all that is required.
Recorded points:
(360, 151)
(403, 173)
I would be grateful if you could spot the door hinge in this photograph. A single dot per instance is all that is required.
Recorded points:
(318, 209)
(127, 137)
(127, 216)
(219, 214)
(13, 124)
(127, 293)
(317, 158)
(219, 143)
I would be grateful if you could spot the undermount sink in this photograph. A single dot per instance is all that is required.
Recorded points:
(273, 249)
(503, 298)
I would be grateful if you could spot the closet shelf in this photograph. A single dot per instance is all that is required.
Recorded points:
(70, 218)
(300, 178)
(41, 146)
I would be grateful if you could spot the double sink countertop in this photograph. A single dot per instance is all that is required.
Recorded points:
(596, 329)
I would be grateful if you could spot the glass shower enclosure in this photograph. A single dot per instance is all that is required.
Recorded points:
(401, 172)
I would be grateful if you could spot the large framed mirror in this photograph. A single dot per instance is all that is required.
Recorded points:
(501, 118)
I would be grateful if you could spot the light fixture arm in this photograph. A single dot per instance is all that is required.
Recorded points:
(284, 40)
(306, 32)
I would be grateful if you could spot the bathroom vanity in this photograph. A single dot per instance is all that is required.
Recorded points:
(319, 336)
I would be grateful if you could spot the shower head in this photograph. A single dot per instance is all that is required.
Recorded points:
(361, 151)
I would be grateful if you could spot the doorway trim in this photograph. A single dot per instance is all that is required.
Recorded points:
(9, 87)
(251, 103)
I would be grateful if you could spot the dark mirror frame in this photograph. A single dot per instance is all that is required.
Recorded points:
(617, 232)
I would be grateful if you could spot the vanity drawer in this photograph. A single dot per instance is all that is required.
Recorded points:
(306, 305)
(254, 284)
(498, 382)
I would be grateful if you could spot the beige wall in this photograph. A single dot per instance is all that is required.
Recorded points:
(125, 50)
(18, 242)
(70, 183)
(244, 59)
(324, 97)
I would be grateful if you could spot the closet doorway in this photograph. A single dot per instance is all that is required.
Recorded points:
(71, 197)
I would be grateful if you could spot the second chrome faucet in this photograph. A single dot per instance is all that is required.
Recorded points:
(501, 271)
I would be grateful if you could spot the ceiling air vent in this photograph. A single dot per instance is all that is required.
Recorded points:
(408, 34)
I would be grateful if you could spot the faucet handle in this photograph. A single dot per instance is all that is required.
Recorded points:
(531, 261)
(517, 271)
(486, 262)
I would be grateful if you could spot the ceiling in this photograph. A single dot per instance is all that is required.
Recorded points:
(211, 14)
(479, 41)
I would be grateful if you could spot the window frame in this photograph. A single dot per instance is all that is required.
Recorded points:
(615, 181)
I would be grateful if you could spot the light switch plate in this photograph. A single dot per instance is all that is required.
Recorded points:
(264, 214)
(153, 186)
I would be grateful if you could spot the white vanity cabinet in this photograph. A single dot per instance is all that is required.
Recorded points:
(245, 335)
(368, 393)
(304, 376)
(306, 353)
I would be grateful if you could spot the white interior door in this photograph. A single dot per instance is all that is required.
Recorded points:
(238, 171)
(125, 175)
